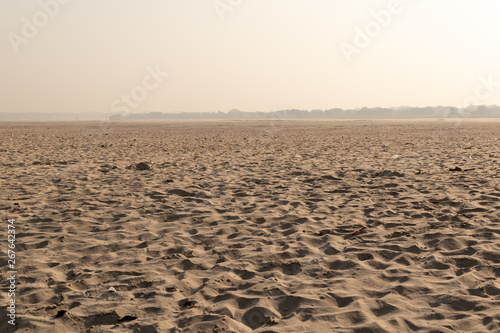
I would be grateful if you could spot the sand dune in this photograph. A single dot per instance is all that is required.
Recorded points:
(248, 226)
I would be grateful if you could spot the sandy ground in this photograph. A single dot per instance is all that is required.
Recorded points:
(248, 226)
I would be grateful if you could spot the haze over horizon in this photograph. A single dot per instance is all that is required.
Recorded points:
(113, 57)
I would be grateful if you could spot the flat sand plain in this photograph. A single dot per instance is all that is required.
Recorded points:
(248, 226)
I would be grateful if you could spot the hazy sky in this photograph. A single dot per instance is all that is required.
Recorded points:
(253, 55)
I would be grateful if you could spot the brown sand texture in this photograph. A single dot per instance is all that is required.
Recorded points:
(247, 226)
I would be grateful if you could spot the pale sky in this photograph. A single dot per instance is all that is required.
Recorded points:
(252, 55)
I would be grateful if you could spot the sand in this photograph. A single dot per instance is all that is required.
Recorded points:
(248, 226)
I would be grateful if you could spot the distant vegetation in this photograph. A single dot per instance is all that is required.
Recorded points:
(364, 113)
(481, 111)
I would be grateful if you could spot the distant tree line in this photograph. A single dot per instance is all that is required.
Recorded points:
(481, 111)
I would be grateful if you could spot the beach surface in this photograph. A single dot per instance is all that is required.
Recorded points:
(253, 226)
